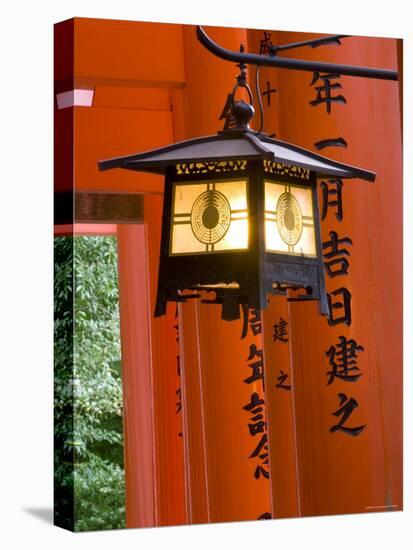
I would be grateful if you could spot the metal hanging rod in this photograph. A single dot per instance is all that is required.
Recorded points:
(334, 39)
(287, 63)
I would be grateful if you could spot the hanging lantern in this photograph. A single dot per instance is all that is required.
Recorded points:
(240, 215)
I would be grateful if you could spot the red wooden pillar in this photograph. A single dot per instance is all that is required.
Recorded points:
(339, 472)
(151, 382)
(220, 475)
(136, 377)
(282, 434)
(166, 384)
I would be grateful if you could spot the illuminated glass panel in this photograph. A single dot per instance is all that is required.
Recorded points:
(289, 219)
(209, 217)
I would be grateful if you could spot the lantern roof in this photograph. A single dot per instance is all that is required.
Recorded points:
(234, 144)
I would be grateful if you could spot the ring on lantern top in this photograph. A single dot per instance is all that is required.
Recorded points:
(210, 217)
(289, 219)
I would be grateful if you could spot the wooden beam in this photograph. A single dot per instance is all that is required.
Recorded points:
(75, 207)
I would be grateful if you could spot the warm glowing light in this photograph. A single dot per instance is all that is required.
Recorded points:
(209, 217)
(289, 219)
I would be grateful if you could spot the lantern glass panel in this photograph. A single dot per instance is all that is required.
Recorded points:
(289, 219)
(209, 217)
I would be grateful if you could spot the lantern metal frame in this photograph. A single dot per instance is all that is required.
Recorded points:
(254, 269)
(238, 153)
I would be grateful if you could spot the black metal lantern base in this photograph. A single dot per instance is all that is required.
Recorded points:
(309, 278)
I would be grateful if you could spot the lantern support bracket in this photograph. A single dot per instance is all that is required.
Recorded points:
(335, 39)
(260, 60)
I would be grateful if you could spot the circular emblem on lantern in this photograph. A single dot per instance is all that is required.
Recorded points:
(289, 218)
(210, 217)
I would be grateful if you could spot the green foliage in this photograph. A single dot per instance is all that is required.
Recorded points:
(89, 474)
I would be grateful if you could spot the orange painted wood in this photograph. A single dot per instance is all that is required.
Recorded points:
(194, 411)
(131, 113)
(282, 434)
(220, 366)
(128, 53)
(269, 80)
(338, 473)
(220, 476)
(122, 97)
(166, 384)
(195, 456)
(136, 377)
(106, 132)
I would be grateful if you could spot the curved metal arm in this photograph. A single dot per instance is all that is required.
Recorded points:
(297, 64)
(335, 39)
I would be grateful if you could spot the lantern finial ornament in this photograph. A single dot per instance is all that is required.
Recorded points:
(238, 114)
(240, 214)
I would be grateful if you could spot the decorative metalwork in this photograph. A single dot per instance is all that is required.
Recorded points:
(237, 114)
(191, 168)
(288, 63)
(331, 142)
(210, 217)
(282, 169)
(289, 219)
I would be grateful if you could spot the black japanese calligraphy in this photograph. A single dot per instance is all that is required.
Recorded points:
(262, 445)
(255, 404)
(257, 425)
(337, 263)
(343, 356)
(326, 90)
(279, 333)
(179, 402)
(282, 381)
(332, 188)
(265, 43)
(178, 393)
(268, 93)
(261, 471)
(343, 360)
(251, 318)
(347, 406)
(261, 451)
(344, 307)
(255, 321)
(256, 366)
